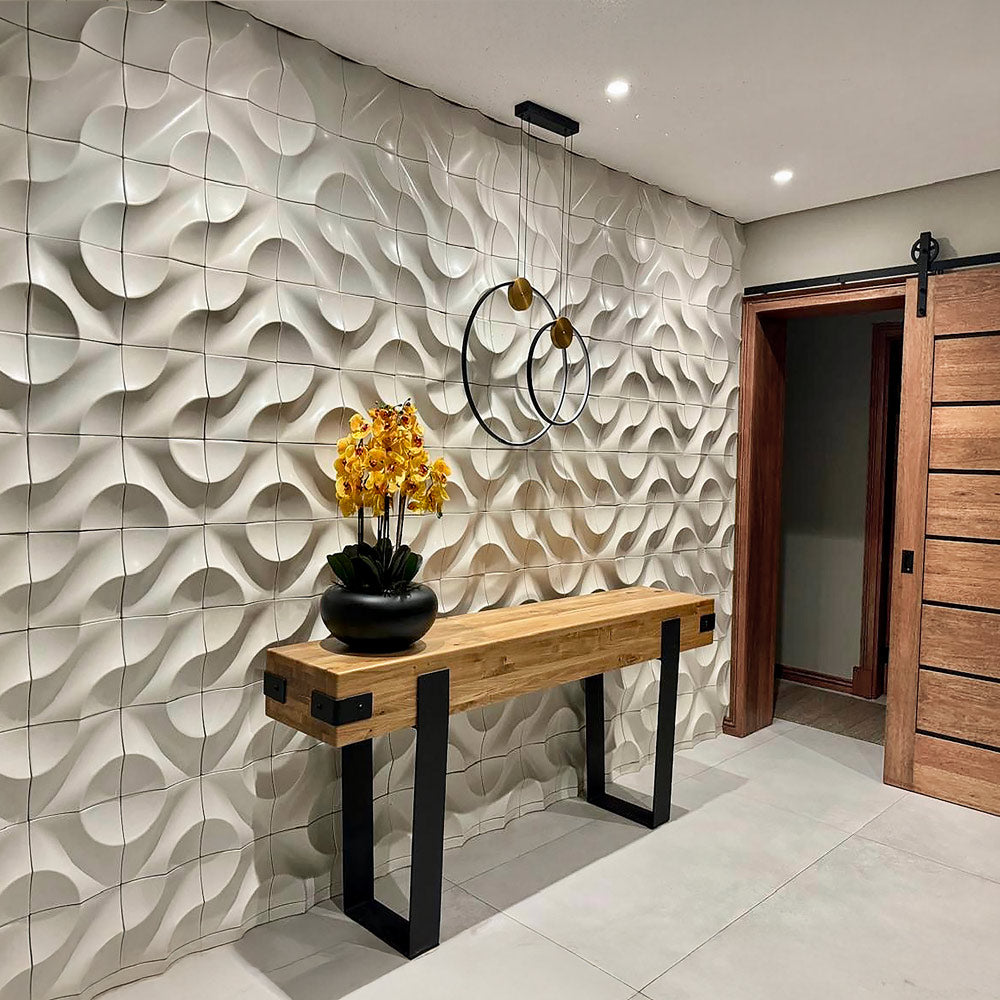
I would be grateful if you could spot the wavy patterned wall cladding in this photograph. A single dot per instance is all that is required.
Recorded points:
(216, 241)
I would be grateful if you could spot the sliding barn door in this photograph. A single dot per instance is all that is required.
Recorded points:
(943, 729)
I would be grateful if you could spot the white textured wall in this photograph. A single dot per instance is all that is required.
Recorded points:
(217, 240)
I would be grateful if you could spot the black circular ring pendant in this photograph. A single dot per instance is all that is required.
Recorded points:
(548, 422)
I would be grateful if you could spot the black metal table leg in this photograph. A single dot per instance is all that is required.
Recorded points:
(422, 931)
(663, 765)
(359, 830)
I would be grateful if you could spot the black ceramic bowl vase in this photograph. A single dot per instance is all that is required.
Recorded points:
(378, 623)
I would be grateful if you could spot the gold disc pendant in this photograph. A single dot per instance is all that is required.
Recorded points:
(562, 333)
(519, 294)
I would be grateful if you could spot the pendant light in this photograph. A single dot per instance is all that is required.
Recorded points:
(521, 295)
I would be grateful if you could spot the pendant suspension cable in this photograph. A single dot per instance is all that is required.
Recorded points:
(517, 240)
(569, 211)
(520, 191)
(569, 214)
(527, 192)
(560, 300)
(564, 232)
(524, 188)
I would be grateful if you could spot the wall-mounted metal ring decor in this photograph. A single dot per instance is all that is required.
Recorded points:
(520, 293)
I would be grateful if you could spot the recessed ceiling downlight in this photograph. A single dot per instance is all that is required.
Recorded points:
(617, 88)
(782, 176)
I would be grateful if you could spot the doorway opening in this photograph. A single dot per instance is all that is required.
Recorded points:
(818, 424)
(842, 389)
(943, 712)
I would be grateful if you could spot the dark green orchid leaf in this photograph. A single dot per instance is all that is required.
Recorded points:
(342, 567)
(398, 558)
(369, 578)
(411, 566)
(376, 569)
(383, 553)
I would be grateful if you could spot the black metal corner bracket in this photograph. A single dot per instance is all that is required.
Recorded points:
(275, 687)
(663, 765)
(421, 931)
(923, 253)
(546, 118)
(339, 712)
(707, 623)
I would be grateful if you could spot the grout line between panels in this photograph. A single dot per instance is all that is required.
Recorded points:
(124, 497)
(28, 741)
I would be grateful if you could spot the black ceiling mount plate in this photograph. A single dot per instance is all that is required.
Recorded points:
(546, 118)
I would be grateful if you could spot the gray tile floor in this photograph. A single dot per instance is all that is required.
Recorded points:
(788, 870)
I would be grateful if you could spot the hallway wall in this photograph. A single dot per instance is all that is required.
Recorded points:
(217, 241)
(964, 215)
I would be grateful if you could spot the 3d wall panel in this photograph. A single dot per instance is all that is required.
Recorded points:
(216, 242)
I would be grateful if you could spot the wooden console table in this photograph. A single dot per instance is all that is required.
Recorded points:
(465, 662)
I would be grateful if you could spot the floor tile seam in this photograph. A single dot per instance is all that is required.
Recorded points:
(561, 947)
(860, 835)
(740, 752)
(811, 749)
(787, 810)
(463, 884)
(827, 733)
(750, 909)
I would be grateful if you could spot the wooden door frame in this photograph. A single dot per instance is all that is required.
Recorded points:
(868, 680)
(759, 460)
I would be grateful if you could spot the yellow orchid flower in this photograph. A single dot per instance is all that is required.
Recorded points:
(440, 470)
(376, 500)
(436, 496)
(395, 467)
(382, 455)
(359, 427)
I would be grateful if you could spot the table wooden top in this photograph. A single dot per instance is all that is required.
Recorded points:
(491, 655)
(456, 635)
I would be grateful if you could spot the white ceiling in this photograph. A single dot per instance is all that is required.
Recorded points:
(858, 97)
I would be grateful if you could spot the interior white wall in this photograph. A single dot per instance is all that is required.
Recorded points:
(964, 214)
(828, 380)
(217, 240)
